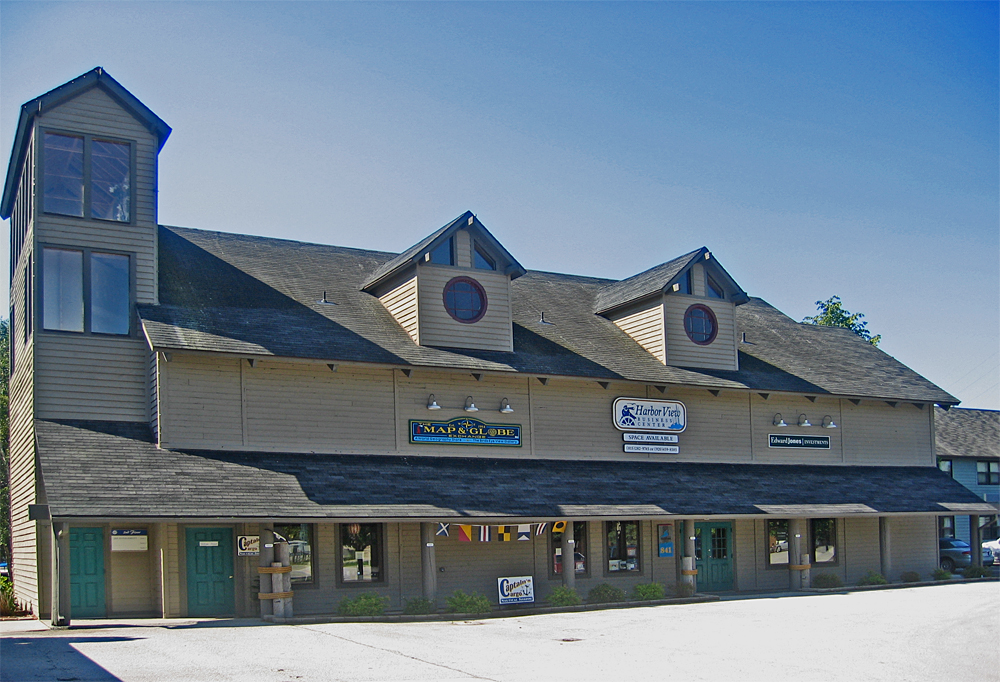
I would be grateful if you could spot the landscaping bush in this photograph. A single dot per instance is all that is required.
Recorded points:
(648, 592)
(605, 594)
(684, 590)
(977, 572)
(826, 580)
(563, 596)
(367, 604)
(460, 602)
(873, 578)
(941, 574)
(418, 606)
(9, 605)
(910, 577)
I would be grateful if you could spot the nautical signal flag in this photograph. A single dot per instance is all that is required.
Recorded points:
(442, 529)
(465, 533)
(484, 533)
(524, 531)
(541, 528)
(505, 533)
(559, 527)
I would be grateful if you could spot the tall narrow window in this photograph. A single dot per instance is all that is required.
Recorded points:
(580, 551)
(110, 187)
(824, 540)
(109, 293)
(946, 526)
(84, 290)
(623, 546)
(987, 473)
(27, 301)
(361, 553)
(63, 174)
(62, 288)
(777, 543)
(300, 544)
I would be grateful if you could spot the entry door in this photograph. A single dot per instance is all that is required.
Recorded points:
(210, 571)
(86, 573)
(713, 552)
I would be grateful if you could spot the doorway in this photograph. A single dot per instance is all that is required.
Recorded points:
(210, 571)
(86, 573)
(713, 553)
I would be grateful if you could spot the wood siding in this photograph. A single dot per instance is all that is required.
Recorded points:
(437, 328)
(646, 327)
(401, 303)
(682, 351)
(913, 544)
(790, 407)
(876, 433)
(463, 249)
(23, 212)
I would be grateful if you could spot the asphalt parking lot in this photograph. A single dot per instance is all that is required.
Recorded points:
(931, 632)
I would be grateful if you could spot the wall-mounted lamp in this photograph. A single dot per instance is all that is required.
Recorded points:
(828, 422)
(432, 403)
(803, 420)
(505, 407)
(470, 406)
(778, 421)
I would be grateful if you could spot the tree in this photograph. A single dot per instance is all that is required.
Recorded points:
(832, 313)
(5, 546)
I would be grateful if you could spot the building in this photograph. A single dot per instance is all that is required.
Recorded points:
(420, 422)
(968, 448)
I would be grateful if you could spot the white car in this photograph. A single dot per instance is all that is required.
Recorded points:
(994, 547)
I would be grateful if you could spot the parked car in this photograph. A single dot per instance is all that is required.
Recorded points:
(994, 547)
(958, 554)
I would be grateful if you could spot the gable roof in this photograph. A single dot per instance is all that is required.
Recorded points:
(960, 432)
(657, 280)
(416, 252)
(260, 297)
(96, 77)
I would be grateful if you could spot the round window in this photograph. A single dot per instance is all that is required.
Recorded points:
(465, 299)
(700, 324)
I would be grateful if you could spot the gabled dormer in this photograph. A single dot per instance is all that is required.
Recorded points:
(451, 289)
(683, 311)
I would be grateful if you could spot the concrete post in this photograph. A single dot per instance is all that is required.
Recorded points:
(428, 561)
(568, 546)
(885, 546)
(266, 559)
(794, 552)
(689, 574)
(975, 540)
(282, 582)
(61, 602)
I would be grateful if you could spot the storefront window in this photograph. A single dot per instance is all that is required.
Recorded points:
(300, 544)
(623, 546)
(777, 542)
(580, 558)
(361, 552)
(946, 526)
(824, 539)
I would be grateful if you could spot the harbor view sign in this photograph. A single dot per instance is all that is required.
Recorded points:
(633, 414)
(465, 431)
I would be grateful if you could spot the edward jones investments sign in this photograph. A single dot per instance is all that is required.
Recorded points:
(633, 414)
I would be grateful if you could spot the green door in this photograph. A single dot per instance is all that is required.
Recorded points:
(86, 573)
(210, 571)
(713, 553)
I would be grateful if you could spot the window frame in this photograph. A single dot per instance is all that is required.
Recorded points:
(86, 252)
(712, 286)
(557, 544)
(313, 581)
(711, 316)
(990, 475)
(478, 250)
(380, 541)
(950, 470)
(812, 543)
(638, 550)
(768, 564)
(480, 290)
(450, 242)
(88, 140)
(946, 522)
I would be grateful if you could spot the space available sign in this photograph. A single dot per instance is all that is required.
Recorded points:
(129, 540)
(519, 590)
(781, 440)
(633, 414)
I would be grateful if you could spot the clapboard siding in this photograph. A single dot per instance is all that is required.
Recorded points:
(154, 401)
(463, 249)
(23, 211)
(790, 407)
(861, 552)
(745, 553)
(131, 579)
(203, 401)
(437, 328)
(717, 426)
(91, 377)
(913, 544)
(573, 420)
(475, 566)
(876, 433)
(401, 303)
(682, 351)
(646, 327)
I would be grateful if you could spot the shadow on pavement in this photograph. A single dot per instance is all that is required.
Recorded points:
(26, 659)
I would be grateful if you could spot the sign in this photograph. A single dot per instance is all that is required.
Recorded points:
(653, 449)
(666, 540)
(465, 431)
(633, 414)
(649, 438)
(775, 440)
(247, 545)
(208, 543)
(518, 590)
(129, 540)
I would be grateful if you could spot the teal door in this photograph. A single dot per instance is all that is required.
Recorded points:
(713, 553)
(210, 571)
(86, 573)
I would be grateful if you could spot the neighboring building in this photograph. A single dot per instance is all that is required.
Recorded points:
(415, 423)
(968, 448)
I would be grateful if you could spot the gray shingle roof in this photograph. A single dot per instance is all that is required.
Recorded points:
(113, 469)
(648, 283)
(967, 433)
(257, 296)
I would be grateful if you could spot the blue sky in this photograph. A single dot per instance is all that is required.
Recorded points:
(815, 148)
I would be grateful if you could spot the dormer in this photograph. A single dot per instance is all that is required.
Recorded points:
(683, 311)
(451, 289)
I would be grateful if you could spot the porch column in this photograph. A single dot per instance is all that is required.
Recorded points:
(975, 540)
(266, 559)
(689, 575)
(568, 546)
(61, 603)
(794, 554)
(885, 546)
(428, 561)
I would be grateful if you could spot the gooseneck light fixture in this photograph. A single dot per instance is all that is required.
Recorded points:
(470, 406)
(828, 422)
(432, 403)
(803, 420)
(505, 407)
(778, 421)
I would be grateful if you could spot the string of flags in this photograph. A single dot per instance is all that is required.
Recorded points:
(521, 531)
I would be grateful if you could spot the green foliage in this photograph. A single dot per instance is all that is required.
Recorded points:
(873, 578)
(977, 572)
(684, 590)
(460, 602)
(563, 596)
(832, 313)
(826, 580)
(910, 577)
(8, 602)
(647, 592)
(418, 606)
(605, 594)
(941, 574)
(366, 604)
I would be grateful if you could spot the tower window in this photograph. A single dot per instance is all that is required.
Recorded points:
(443, 253)
(482, 261)
(85, 176)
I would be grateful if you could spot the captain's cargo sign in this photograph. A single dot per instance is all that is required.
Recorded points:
(465, 431)
(633, 414)
(518, 590)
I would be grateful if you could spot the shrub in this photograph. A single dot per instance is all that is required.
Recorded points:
(460, 602)
(9, 605)
(647, 592)
(873, 578)
(605, 594)
(910, 577)
(827, 580)
(684, 590)
(418, 606)
(977, 572)
(563, 596)
(367, 604)
(940, 574)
